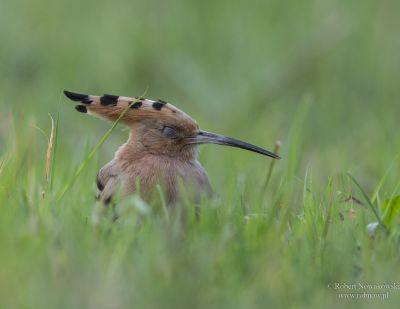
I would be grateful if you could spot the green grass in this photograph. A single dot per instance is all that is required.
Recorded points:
(320, 76)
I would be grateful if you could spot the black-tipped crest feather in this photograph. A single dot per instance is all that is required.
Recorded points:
(77, 97)
(158, 105)
(81, 109)
(109, 99)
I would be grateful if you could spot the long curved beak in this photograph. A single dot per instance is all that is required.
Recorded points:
(204, 137)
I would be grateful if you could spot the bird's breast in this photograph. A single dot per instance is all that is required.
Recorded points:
(173, 176)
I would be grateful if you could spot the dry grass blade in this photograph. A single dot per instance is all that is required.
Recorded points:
(278, 145)
(49, 156)
(1, 165)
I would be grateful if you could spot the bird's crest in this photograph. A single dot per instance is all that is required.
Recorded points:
(133, 109)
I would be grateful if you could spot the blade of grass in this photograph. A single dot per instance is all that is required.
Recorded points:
(371, 205)
(1, 165)
(53, 163)
(92, 153)
(163, 202)
(296, 137)
(328, 196)
(392, 197)
(382, 180)
(270, 169)
(49, 153)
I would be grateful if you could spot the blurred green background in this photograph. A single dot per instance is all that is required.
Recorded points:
(320, 76)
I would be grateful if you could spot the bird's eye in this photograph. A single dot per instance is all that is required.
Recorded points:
(169, 132)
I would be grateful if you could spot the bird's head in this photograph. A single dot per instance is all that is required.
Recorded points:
(157, 127)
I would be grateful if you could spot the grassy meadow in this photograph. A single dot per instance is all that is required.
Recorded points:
(321, 77)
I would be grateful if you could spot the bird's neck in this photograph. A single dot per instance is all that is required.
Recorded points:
(134, 161)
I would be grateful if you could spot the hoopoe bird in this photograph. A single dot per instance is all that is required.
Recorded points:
(161, 148)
